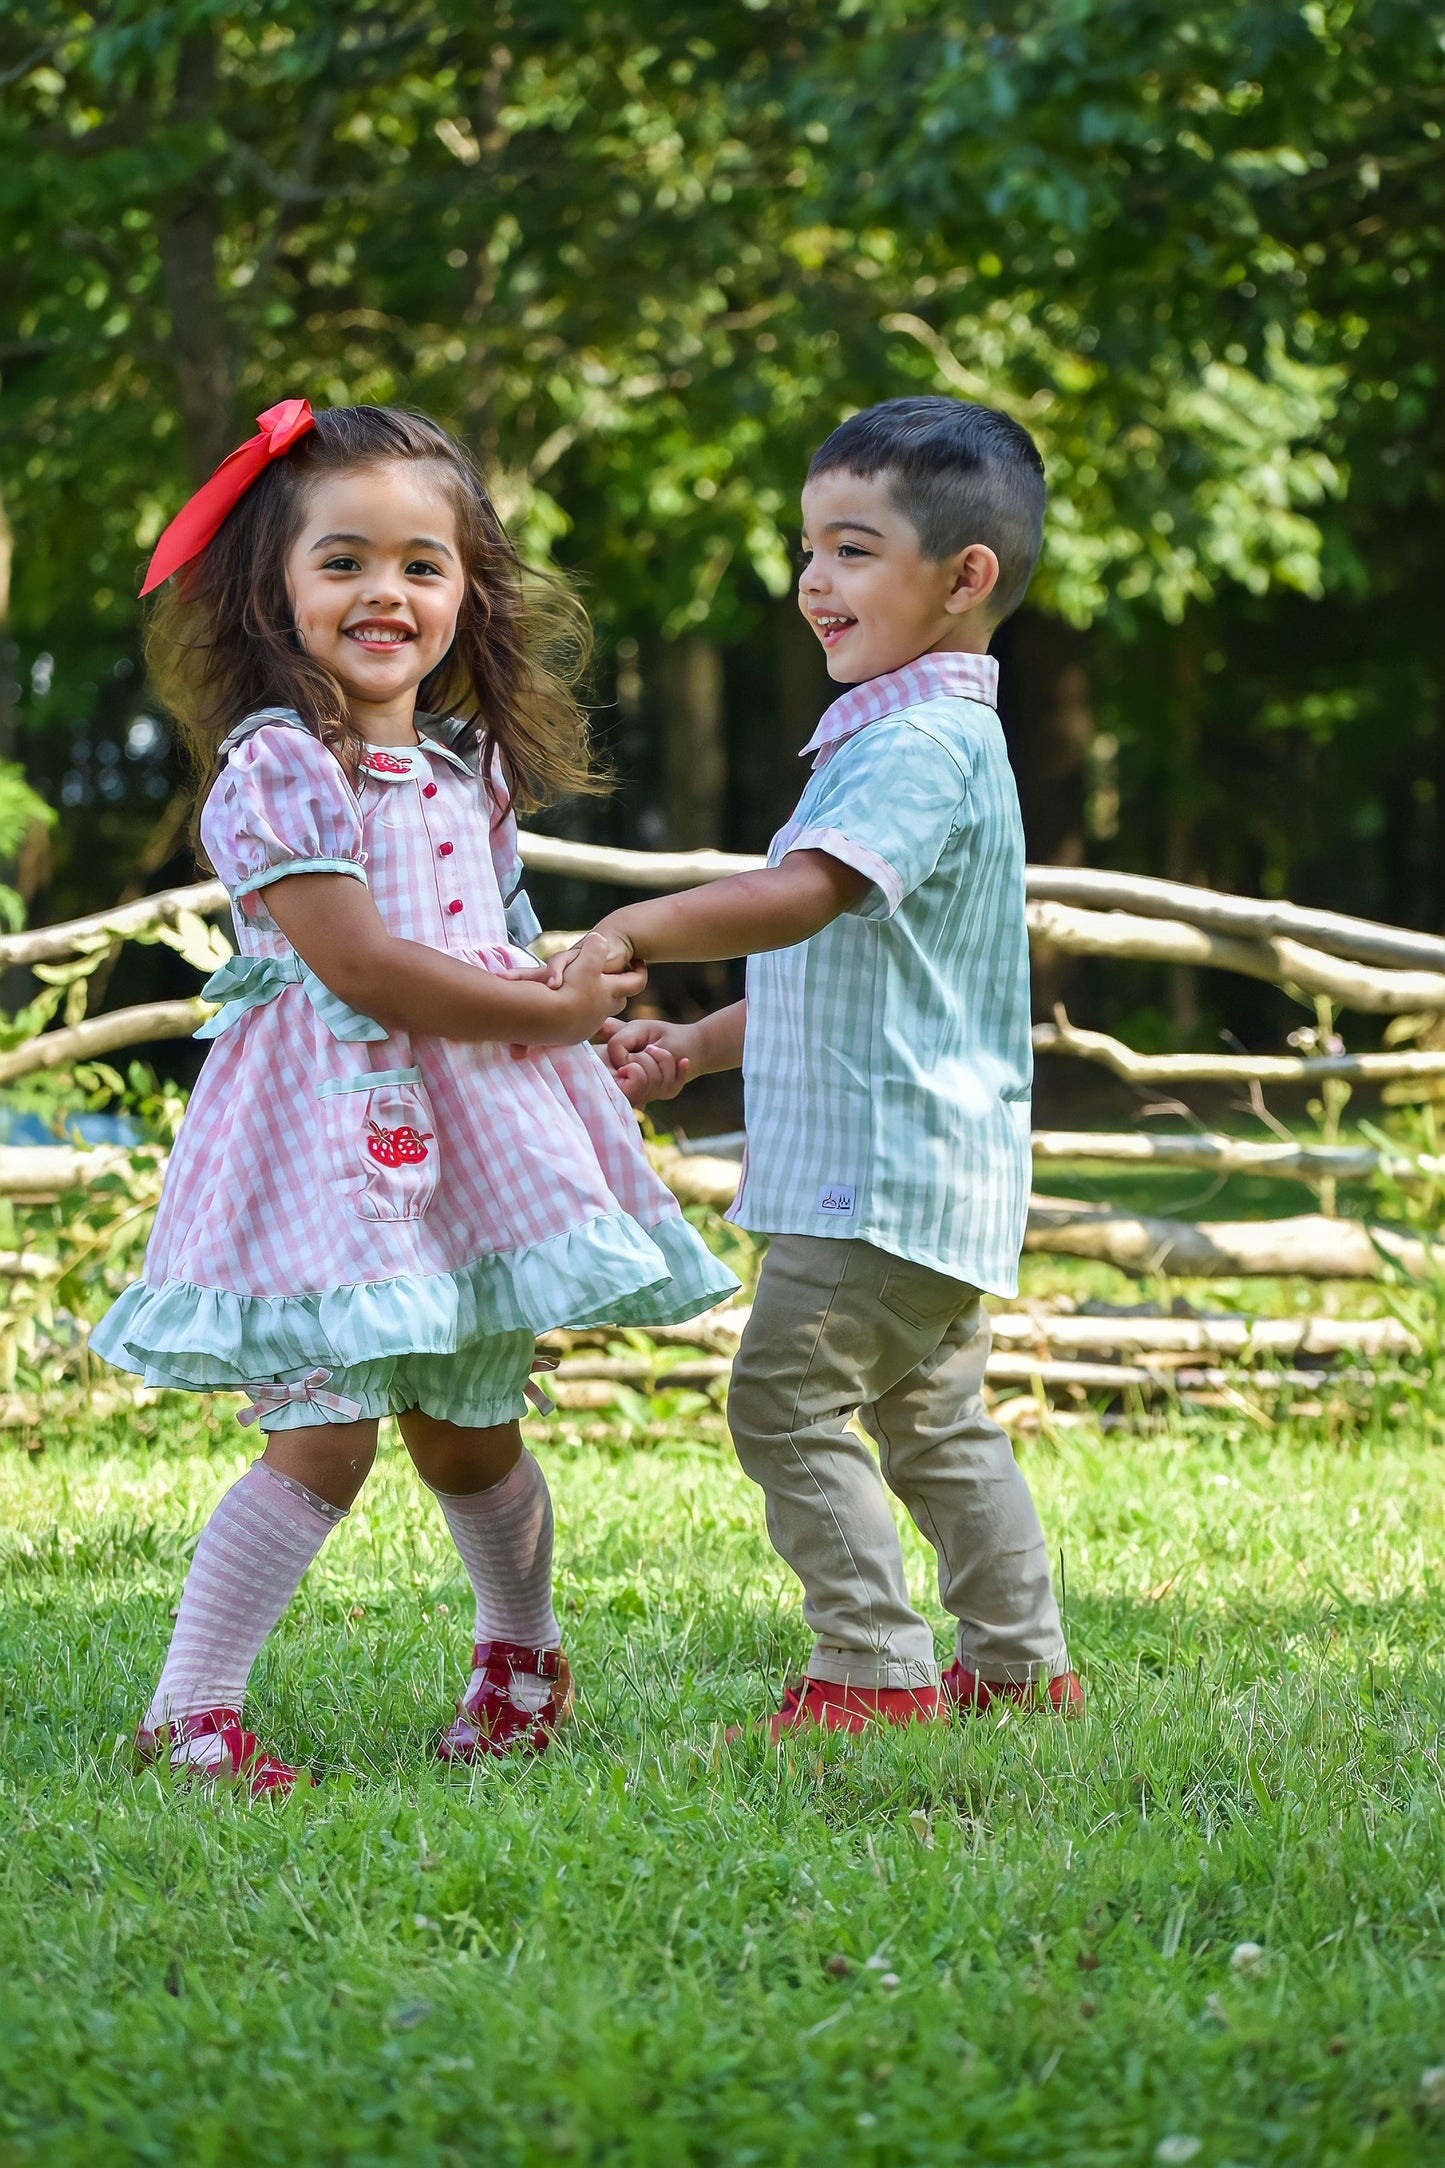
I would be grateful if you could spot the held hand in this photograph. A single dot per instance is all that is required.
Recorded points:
(648, 1059)
(592, 987)
(617, 952)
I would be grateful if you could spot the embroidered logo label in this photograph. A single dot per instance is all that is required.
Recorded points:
(837, 1197)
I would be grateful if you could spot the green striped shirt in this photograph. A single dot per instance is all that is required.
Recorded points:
(887, 1064)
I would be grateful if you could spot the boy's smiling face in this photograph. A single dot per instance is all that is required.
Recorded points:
(870, 594)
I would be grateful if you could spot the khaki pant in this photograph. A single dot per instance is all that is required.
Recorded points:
(840, 1328)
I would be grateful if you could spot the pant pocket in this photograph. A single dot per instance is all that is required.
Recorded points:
(381, 1145)
(921, 1296)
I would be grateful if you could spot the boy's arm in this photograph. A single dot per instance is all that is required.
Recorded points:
(741, 915)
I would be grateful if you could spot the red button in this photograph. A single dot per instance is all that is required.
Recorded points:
(444, 850)
(455, 904)
(428, 790)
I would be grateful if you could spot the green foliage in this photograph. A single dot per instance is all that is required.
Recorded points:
(79, 1250)
(20, 809)
(622, 1952)
(645, 257)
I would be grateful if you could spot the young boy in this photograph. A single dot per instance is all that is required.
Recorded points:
(886, 1054)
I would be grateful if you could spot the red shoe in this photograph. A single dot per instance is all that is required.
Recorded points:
(848, 1708)
(243, 1761)
(969, 1695)
(489, 1721)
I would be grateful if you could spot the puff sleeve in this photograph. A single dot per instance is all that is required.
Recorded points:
(281, 805)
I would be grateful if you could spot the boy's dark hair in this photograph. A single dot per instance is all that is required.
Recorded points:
(961, 473)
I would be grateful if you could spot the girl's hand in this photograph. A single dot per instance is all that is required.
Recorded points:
(556, 969)
(618, 950)
(649, 1059)
(592, 991)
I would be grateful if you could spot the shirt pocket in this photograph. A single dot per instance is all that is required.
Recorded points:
(381, 1145)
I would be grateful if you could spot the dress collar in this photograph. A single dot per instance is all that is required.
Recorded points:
(439, 734)
(966, 677)
(436, 735)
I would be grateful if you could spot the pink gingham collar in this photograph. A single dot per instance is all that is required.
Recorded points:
(966, 677)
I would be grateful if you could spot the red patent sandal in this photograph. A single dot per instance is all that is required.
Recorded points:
(490, 1720)
(243, 1759)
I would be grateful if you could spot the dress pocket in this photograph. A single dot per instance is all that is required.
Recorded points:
(381, 1145)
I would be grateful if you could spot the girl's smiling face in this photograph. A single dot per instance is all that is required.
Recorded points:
(868, 591)
(376, 583)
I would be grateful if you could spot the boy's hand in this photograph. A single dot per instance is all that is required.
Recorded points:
(650, 1060)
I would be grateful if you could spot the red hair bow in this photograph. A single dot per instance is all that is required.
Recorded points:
(199, 518)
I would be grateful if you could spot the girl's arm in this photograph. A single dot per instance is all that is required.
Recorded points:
(333, 924)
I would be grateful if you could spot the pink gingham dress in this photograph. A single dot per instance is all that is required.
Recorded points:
(339, 1193)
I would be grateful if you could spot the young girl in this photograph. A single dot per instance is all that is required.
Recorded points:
(400, 1164)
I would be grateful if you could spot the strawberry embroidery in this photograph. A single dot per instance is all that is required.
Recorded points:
(387, 764)
(403, 1147)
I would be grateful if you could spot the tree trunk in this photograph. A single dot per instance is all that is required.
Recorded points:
(199, 350)
(694, 740)
(1180, 848)
(9, 653)
(1044, 695)
(1050, 721)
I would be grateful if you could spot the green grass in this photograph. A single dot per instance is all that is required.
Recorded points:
(620, 1953)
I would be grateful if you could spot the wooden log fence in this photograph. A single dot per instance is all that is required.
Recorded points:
(1350, 962)
(1077, 908)
(45, 1171)
(1056, 1353)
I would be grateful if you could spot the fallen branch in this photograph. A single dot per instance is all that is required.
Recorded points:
(1280, 961)
(636, 1371)
(46, 944)
(631, 869)
(1248, 917)
(1310, 1246)
(104, 1034)
(1211, 1154)
(1063, 1037)
(1245, 1337)
(39, 1173)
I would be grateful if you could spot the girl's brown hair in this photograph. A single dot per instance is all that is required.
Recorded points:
(222, 642)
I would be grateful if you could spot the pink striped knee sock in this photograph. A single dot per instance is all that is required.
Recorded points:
(504, 1536)
(247, 1566)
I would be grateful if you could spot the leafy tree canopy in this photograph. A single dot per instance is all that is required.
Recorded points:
(644, 257)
